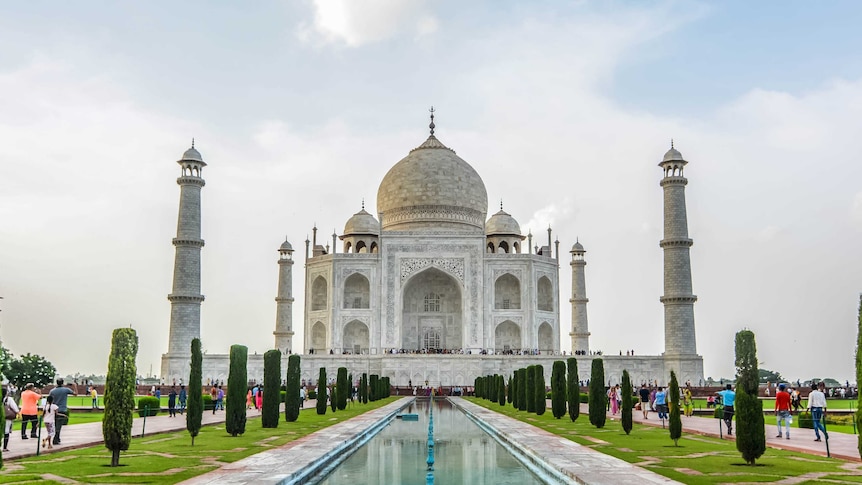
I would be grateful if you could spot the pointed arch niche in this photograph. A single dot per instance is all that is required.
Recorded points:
(357, 291)
(507, 293)
(431, 311)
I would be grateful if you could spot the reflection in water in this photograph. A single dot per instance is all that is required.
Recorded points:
(463, 453)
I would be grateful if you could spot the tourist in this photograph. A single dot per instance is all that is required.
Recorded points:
(644, 396)
(728, 398)
(60, 395)
(29, 411)
(782, 410)
(795, 399)
(687, 401)
(248, 400)
(214, 398)
(94, 396)
(10, 408)
(183, 397)
(172, 402)
(302, 397)
(613, 396)
(817, 407)
(254, 391)
(661, 403)
(220, 398)
(259, 399)
(51, 417)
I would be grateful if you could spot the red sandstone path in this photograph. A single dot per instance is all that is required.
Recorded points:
(841, 445)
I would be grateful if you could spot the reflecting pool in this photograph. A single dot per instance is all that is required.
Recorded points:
(463, 453)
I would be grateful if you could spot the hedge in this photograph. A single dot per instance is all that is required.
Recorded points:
(152, 405)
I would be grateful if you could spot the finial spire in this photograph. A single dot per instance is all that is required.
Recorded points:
(432, 121)
(671, 142)
(501, 203)
(193, 142)
(363, 203)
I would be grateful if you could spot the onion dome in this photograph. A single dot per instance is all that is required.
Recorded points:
(502, 224)
(362, 223)
(432, 188)
(577, 247)
(285, 246)
(192, 155)
(672, 155)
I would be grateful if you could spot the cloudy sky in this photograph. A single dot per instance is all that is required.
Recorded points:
(564, 108)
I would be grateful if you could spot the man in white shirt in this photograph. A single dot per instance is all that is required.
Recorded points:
(817, 407)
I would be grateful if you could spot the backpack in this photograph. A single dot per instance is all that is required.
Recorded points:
(10, 413)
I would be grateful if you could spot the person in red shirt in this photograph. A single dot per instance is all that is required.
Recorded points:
(782, 410)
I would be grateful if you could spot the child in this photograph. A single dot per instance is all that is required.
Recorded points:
(49, 417)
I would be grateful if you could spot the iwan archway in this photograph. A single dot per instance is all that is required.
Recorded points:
(431, 312)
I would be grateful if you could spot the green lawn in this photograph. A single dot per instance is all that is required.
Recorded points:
(169, 457)
(697, 459)
(769, 403)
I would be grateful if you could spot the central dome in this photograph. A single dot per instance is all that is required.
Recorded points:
(432, 188)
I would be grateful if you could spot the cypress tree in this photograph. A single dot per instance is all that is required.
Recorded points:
(522, 389)
(363, 388)
(573, 388)
(531, 389)
(333, 398)
(509, 390)
(514, 388)
(674, 422)
(750, 431)
(540, 393)
(501, 387)
(558, 389)
(387, 389)
(341, 386)
(598, 398)
(237, 386)
(627, 403)
(321, 391)
(291, 399)
(195, 408)
(372, 388)
(859, 378)
(350, 387)
(271, 389)
(120, 392)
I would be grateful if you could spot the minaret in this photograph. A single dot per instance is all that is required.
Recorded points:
(284, 301)
(580, 330)
(678, 299)
(186, 296)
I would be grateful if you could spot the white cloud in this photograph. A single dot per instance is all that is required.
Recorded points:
(354, 23)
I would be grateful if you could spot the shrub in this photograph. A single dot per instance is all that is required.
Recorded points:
(750, 431)
(148, 406)
(312, 394)
(539, 393)
(207, 403)
(573, 389)
(584, 398)
(292, 400)
(120, 393)
(194, 412)
(342, 388)
(509, 390)
(321, 392)
(237, 387)
(558, 389)
(627, 403)
(598, 398)
(675, 422)
(272, 395)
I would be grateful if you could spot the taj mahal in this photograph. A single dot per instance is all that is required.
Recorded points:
(432, 290)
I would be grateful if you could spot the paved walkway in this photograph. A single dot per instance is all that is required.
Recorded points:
(90, 434)
(841, 445)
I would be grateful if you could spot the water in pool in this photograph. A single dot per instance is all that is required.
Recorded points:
(463, 453)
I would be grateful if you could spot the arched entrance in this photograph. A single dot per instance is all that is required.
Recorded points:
(546, 338)
(355, 337)
(431, 312)
(318, 337)
(507, 338)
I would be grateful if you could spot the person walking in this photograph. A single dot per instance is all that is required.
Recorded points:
(728, 398)
(220, 398)
(182, 398)
(643, 393)
(612, 397)
(172, 402)
(687, 401)
(10, 408)
(29, 411)
(782, 410)
(50, 417)
(661, 403)
(817, 407)
(214, 396)
(59, 396)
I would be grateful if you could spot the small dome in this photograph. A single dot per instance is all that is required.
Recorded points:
(578, 247)
(285, 246)
(362, 223)
(502, 223)
(673, 155)
(192, 155)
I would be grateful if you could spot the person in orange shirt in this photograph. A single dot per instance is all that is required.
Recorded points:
(782, 410)
(29, 410)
